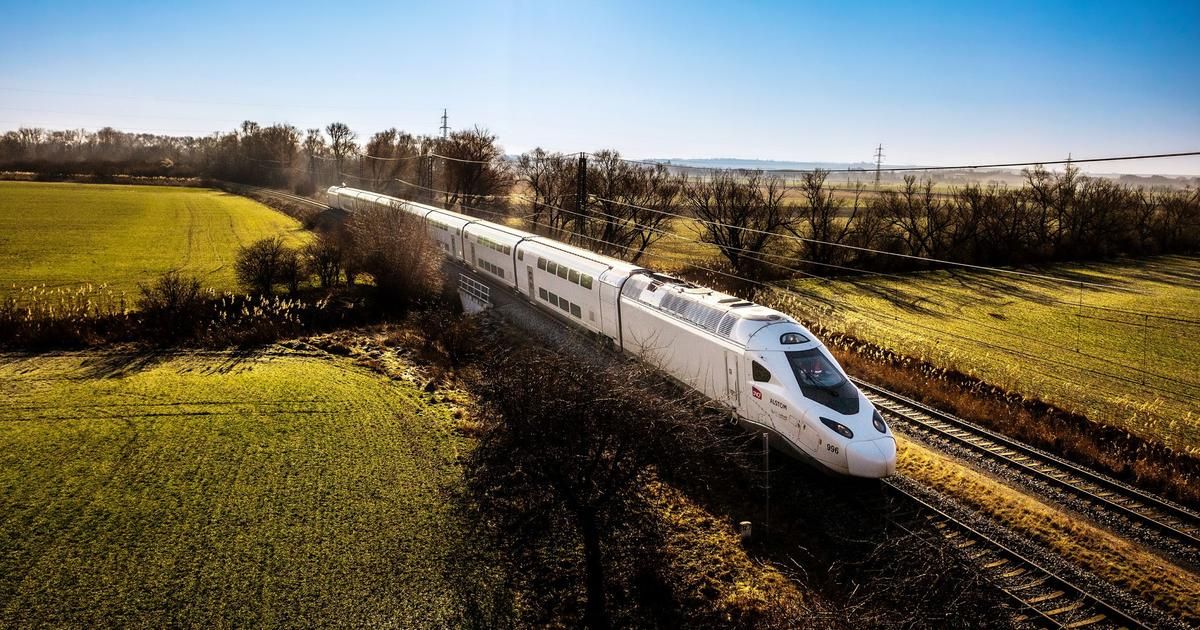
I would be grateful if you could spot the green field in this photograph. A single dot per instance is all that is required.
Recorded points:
(1126, 354)
(65, 235)
(222, 490)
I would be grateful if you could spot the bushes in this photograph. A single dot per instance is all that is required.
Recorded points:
(266, 263)
(394, 248)
(323, 259)
(172, 305)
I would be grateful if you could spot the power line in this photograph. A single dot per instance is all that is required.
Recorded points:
(940, 333)
(864, 249)
(795, 270)
(959, 167)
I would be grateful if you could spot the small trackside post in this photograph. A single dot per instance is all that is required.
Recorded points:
(766, 438)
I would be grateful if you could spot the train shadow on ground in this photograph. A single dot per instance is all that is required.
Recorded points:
(850, 540)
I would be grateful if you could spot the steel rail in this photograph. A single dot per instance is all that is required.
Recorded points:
(1136, 505)
(1049, 597)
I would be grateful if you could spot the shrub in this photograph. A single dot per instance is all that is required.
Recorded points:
(394, 248)
(323, 259)
(265, 263)
(172, 306)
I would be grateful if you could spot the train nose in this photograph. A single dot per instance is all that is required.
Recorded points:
(875, 458)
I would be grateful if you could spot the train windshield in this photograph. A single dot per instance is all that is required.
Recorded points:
(821, 381)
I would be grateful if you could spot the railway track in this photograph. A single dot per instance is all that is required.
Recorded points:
(1046, 598)
(1138, 507)
(1043, 597)
(284, 195)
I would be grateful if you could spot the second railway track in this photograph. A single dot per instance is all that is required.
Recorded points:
(1141, 508)
(1046, 598)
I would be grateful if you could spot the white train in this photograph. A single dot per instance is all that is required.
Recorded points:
(769, 370)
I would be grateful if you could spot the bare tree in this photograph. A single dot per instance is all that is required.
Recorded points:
(341, 143)
(550, 181)
(741, 212)
(314, 147)
(388, 156)
(473, 170)
(629, 205)
(821, 215)
(395, 249)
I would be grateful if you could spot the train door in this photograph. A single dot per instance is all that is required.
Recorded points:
(529, 275)
(732, 379)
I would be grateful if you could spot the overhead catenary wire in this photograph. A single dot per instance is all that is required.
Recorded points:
(1007, 349)
(938, 333)
(1168, 393)
(865, 249)
(1035, 340)
(958, 167)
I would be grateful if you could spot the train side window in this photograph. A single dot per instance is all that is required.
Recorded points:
(574, 277)
(542, 294)
(553, 299)
(542, 264)
(576, 311)
(585, 281)
(760, 373)
(551, 267)
(562, 272)
(564, 305)
(520, 254)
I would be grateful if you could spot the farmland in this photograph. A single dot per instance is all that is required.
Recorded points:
(221, 489)
(1124, 353)
(65, 235)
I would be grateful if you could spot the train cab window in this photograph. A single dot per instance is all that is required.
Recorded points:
(542, 264)
(585, 281)
(821, 381)
(760, 373)
(573, 276)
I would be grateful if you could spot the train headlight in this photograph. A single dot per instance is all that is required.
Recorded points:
(877, 420)
(789, 338)
(841, 429)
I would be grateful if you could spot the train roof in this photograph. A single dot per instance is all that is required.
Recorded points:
(719, 313)
(615, 263)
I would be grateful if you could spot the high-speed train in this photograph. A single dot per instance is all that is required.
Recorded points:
(773, 373)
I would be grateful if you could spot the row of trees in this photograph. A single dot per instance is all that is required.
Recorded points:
(470, 164)
(762, 226)
(759, 223)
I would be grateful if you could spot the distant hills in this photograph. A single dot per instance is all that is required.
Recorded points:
(765, 165)
(1006, 175)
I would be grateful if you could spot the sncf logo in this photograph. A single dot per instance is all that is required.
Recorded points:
(757, 394)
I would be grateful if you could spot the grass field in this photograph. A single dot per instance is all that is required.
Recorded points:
(221, 490)
(1128, 356)
(64, 235)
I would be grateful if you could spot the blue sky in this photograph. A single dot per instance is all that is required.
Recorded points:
(936, 83)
